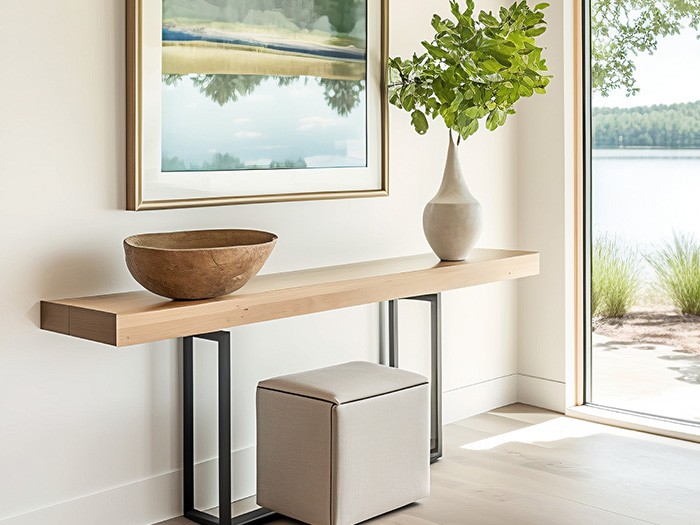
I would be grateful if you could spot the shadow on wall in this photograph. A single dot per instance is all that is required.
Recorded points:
(74, 273)
(157, 368)
(165, 406)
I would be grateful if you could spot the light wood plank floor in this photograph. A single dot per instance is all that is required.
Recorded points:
(523, 465)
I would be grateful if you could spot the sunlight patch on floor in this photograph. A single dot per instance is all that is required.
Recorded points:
(552, 430)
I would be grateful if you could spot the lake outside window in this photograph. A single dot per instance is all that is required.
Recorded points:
(643, 207)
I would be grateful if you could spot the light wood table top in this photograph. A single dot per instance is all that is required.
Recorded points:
(130, 318)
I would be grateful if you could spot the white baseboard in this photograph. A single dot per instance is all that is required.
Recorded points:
(543, 393)
(159, 498)
(146, 501)
(476, 399)
(242, 482)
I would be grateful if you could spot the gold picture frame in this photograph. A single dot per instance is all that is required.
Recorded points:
(143, 88)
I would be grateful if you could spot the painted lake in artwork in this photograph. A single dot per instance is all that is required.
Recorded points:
(264, 84)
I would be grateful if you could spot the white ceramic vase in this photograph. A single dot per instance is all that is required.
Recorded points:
(453, 219)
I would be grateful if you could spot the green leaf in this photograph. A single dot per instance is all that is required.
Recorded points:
(470, 8)
(408, 102)
(491, 121)
(433, 106)
(500, 117)
(435, 51)
(474, 43)
(535, 31)
(514, 96)
(469, 129)
(525, 91)
(419, 122)
(454, 7)
(488, 19)
(518, 38)
(491, 66)
(394, 99)
(472, 112)
(462, 121)
(533, 18)
(501, 58)
(540, 7)
(447, 116)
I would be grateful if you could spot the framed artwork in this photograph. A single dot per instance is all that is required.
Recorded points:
(242, 101)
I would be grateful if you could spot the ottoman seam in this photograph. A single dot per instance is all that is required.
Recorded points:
(330, 470)
(336, 403)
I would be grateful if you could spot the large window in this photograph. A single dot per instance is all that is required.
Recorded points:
(642, 190)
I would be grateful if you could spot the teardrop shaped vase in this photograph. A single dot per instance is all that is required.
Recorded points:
(453, 219)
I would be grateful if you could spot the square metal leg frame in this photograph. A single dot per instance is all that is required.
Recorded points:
(223, 341)
(435, 359)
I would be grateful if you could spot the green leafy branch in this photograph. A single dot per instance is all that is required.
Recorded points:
(623, 29)
(474, 68)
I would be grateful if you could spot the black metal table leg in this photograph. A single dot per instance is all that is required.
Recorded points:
(435, 301)
(223, 340)
(188, 422)
(394, 333)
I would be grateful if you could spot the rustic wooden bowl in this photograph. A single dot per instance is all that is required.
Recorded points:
(197, 264)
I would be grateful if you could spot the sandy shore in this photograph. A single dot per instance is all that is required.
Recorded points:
(646, 378)
(662, 325)
(212, 59)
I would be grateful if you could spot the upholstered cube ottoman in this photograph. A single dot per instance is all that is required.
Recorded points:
(342, 444)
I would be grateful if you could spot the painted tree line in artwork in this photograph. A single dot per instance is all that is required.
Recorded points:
(343, 15)
(342, 96)
(674, 126)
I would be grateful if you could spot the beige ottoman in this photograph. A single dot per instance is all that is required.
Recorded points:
(340, 445)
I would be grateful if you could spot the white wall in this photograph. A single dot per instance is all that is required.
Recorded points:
(92, 434)
(545, 219)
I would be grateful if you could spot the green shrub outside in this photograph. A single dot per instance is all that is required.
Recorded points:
(615, 280)
(677, 268)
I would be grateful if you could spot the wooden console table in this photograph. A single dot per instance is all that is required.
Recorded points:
(131, 318)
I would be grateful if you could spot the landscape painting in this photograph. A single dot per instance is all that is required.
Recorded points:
(263, 85)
